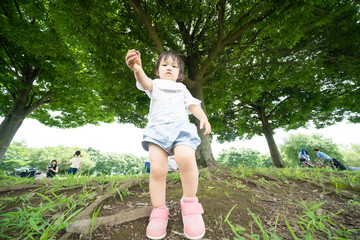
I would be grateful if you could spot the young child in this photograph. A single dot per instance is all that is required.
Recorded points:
(169, 132)
(75, 163)
(52, 170)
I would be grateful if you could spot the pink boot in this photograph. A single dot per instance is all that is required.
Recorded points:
(194, 227)
(156, 228)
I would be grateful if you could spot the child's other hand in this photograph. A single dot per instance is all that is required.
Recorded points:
(133, 60)
(205, 124)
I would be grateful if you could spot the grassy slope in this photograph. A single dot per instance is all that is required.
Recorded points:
(239, 203)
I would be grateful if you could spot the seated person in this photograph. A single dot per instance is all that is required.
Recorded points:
(52, 170)
(304, 156)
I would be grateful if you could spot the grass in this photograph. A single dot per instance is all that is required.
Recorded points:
(312, 221)
(52, 211)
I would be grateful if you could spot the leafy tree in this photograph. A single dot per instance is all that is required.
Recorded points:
(213, 37)
(294, 142)
(351, 154)
(19, 155)
(119, 164)
(43, 76)
(246, 157)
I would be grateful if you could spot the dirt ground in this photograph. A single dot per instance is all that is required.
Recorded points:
(219, 191)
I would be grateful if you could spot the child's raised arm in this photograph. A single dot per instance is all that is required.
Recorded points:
(133, 61)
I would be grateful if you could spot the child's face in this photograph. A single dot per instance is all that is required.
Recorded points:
(168, 69)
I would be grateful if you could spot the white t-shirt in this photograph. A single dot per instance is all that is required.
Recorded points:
(169, 101)
(75, 162)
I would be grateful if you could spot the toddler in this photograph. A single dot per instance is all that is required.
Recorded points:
(169, 132)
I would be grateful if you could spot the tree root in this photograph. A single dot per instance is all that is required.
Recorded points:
(37, 183)
(86, 226)
(87, 211)
(267, 177)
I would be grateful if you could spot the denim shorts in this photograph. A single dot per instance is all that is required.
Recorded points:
(169, 135)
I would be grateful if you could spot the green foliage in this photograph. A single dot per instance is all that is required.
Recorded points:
(295, 142)
(93, 161)
(18, 155)
(351, 154)
(245, 157)
(52, 72)
(119, 164)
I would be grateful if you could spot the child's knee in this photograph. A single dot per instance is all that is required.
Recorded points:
(158, 171)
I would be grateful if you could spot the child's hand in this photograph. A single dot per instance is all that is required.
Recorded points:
(205, 123)
(133, 60)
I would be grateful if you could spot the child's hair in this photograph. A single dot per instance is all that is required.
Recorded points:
(77, 153)
(165, 55)
(316, 149)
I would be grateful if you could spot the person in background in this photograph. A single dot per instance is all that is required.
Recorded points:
(173, 167)
(304, 157)
(147, 166)
(52, 170)
(327, 158)
(75, 163)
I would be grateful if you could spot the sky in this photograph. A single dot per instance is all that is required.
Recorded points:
(125, 138)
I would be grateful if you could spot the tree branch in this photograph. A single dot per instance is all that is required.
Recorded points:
(215, 50)
(230, 60)
(45, 99)
(11, 59)
(149, 27)
(222, 90)
(277, 107)
(232, 37)
(13, 96)
(261, 65)
(204, 29)
(5, 12)
(18, 9)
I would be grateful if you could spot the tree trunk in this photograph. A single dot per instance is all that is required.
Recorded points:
(15, 117)
(8, 129)
(274, 151)
(204, 155)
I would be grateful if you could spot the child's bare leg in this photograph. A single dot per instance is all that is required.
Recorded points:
(191, 209)
(185, 159)
(158, 170)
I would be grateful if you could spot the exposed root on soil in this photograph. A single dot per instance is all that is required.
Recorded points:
(37, 184)
(85, 226)
(87, 211)
(267, 177)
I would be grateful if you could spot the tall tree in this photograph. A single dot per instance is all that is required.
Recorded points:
(42, 76)
(211, 36)
(286, 87)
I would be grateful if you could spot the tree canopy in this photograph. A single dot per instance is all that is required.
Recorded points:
(43, 76)
(226, 46)
(278, 57)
